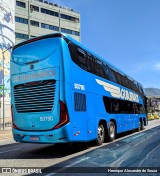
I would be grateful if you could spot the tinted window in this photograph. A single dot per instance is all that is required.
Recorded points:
(21, 36)
(20, 4)
(34, 8)
(87, 61)
(94, 65)
(67, 17)
(21, 20)
(49, 12)
(116, 106)
(34, 23)
(108, 73)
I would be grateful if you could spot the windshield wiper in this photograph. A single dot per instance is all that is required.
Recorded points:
(32, 62)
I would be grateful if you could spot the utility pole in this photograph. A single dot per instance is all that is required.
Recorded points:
(29, 35)
(59, 21)
(3, 91)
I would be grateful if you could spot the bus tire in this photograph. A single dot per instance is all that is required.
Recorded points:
(141, 125)
(111, 132)
(101, 135)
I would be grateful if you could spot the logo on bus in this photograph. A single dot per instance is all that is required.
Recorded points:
(118, 92)
(35, 75)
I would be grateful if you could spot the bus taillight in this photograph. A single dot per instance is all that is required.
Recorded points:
(13, 125)
(64, 118)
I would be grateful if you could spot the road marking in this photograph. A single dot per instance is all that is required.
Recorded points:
(138, 135)
(10, 150)
(69, 165)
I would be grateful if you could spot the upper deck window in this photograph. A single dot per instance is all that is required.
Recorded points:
(94, 65)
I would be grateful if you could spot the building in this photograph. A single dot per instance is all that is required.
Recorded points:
(153, 95)
(37, 17)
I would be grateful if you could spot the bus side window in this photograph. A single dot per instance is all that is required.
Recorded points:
(73, 52)
(108, 73)
(107, 104)
(99, 69)
(115, 106)
(127, 107)
(89, 63)
(135, 108)
(121, 107)
(78, 56)
(94, 66)
(141, 109)
(82, 58)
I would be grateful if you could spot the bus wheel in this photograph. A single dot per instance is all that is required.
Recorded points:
(111, 132)
(141, 125)
(101, 135)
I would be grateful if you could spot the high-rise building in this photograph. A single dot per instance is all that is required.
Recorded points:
(39, 17)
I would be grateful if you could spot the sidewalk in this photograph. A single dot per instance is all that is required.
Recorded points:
(6, 134)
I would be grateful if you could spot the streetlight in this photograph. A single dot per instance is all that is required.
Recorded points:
(28, 19)
(59, 21)
(30, 9)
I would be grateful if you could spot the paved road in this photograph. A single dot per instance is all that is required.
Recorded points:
(134, 150)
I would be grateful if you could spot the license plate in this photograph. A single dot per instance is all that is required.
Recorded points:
(34, 138)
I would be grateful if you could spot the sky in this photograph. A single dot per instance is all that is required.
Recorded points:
(124, 32)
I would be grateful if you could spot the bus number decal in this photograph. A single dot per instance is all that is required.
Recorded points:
(79, 86)
(46, 118)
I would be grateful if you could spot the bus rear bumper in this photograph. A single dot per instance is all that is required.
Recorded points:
(50, 137)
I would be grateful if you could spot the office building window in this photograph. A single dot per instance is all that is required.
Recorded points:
(49, 12)
(34, 23)
(20, 4)
(21, 20)
(50, 27)
(34, 8)
(22, 36)
(68, 31)
(67, 17)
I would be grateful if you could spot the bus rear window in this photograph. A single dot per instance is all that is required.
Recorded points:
(34, 51)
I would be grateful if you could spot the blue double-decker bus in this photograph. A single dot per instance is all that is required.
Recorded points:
(63, 92)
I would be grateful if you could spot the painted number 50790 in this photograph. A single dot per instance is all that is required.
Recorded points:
(46, 118)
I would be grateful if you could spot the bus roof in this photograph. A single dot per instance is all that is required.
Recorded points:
(67, 37)
(96, 55)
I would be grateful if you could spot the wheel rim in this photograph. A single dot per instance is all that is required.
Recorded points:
(112, 131)
(100, 133)
(140, 125)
